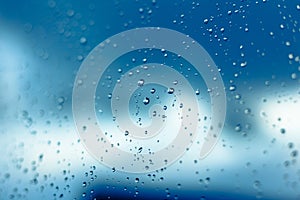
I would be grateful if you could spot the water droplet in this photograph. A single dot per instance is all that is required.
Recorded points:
(294, 153)
(170, 90)
(256, 184)
(141, 82)
(152, 91)
(244, 64)
(70, 13)
(232, 88)
(238, 128)
(79, 57)
(282, 131)
(60, 100)
(238, 96)
(146, 100)
(247, 111)
(83, 40)
(140, 149)
(290, 145)
(84, 184)
(126, 133)
(207, 180)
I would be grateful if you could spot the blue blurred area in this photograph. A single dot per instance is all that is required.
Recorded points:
(255, 44)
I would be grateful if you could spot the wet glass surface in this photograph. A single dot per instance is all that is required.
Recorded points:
(255, 48)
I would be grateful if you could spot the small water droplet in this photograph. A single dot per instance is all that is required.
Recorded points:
(170, 90)
(141, 82)
(146, 100)
(294, 76)
(256, 184)
(244, 64)
(83, 40)
(60, 100)
(70, 13)
(232, 88)
(140, 149)
(237, 96)
(84, 184)
(126, 133)
(294, 153)
(247, 111)
(238, 128)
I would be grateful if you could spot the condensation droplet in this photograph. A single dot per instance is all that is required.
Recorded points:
(170, 90)
(141, 82)
(256, 184)
(152, 91)
(146, 100)
(238, 128)
(282, 131)
(244, 64)
(247, 111)
(232, 88)
(291, 56)
(126, 133)
(70, 13)
(83, 40)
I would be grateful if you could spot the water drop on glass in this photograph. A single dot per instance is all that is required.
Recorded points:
(170, 90)
(83, 40)
(141, 82)
(152, 91)
(146, 100)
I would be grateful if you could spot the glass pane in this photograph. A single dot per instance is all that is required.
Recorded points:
(149, 99)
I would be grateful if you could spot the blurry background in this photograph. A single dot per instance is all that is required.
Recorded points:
(255, 44)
